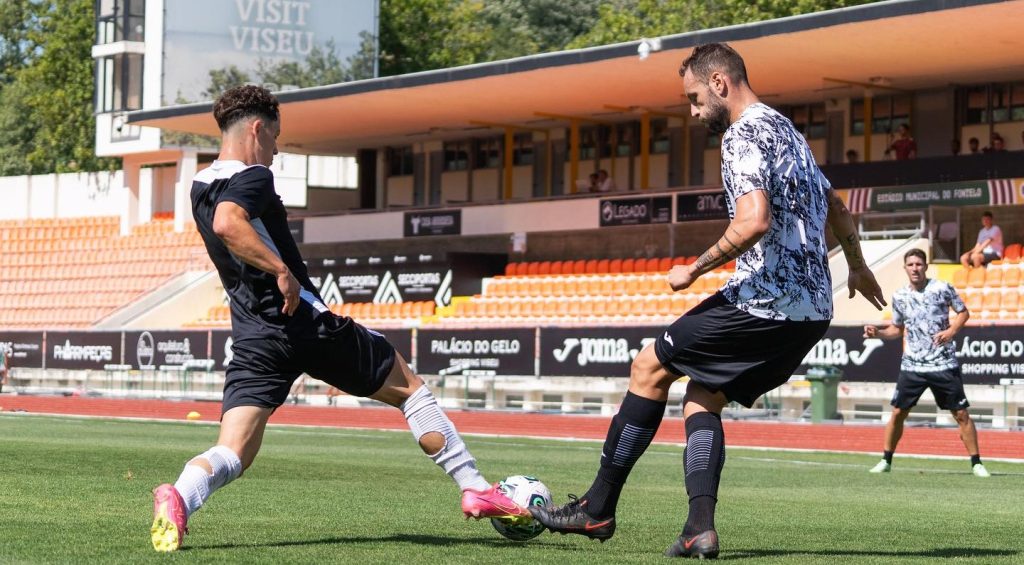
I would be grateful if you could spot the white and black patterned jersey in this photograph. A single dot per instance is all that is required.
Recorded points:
(785, 275)
(922, 314)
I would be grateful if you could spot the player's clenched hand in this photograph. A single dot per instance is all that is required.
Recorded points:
(680, 277)
(870, 331)
(289, 287)
(862, 280)
(943, 337)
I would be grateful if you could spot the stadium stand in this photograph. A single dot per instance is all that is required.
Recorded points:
(368, 313)
(594, 291)
(73, 272)
(993, 293)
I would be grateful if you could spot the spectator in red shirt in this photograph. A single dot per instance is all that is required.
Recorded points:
(904, 147)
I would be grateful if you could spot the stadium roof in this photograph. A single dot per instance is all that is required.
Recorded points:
(909, 44)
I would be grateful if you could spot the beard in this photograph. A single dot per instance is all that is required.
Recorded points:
(717, 120)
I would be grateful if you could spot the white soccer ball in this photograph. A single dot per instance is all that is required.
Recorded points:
(525, 491)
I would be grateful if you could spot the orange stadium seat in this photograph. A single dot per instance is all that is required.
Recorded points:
(960, 278)
(602, 266)
(590, 267)
(556, 268)
(665, 264)
(1012, 253)
(544, 268)
(628, 266)
(510, 269)
(1010, 305)
(991, 301)
(1011, 277)
(975, 301)
(615, 266)
(993, 277)
(976, 278)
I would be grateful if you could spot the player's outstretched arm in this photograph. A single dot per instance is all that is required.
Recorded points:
(753, 217)
(884, 332)
(231, 224)
(861, 279)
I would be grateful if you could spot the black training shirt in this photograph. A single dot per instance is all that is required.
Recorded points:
(255, 299)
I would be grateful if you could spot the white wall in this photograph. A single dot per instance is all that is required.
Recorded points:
(485, 185)
(522, 181)
(399, 191)
(332, 172)
(455, 186)
(67, 195)
(658, 171)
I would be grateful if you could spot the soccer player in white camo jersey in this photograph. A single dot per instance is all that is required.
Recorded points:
(920, 311)
(750, 336)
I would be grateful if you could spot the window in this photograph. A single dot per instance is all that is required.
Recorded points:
(887, 114)
(488, 153)
(588, 143)
(992, 103)
(456, 156)
(120, 20)
(399, 161)
(808, 119)
(522, 152)
(119, 82)
(659, 136)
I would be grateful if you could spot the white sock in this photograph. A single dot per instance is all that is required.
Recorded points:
(425, 416)
(196, 485)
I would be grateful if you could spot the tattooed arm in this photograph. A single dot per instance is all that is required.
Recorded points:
(753, 217)
(861, 278)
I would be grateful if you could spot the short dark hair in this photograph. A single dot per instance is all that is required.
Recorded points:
(915, 252)
(986, 214)
(242, 102)
(712, 57)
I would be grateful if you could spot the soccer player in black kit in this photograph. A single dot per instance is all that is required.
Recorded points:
(281, 329)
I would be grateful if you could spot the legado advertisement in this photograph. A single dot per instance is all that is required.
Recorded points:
(489, 352)
(592, 352)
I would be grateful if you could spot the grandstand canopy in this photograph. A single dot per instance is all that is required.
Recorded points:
(910, 45)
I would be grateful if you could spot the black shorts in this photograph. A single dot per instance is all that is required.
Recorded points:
(947, 387)
(726, 349)
(343, 354)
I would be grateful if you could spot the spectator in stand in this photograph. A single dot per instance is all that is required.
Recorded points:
(989, 247)
(904, 147)
(997, 144)
(974, 146)
(955, 147)
(605, 183)
(851, 156)
(595, 186)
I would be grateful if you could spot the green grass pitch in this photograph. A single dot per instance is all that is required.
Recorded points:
(78, 491)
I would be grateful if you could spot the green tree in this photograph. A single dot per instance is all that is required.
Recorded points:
(627, 20)
(46, 119)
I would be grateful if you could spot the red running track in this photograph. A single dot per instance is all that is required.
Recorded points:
(826, 437)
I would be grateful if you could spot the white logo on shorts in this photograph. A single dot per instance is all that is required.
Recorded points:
(668, 338)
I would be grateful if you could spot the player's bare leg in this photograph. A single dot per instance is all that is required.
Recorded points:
(969, 435)
(241, 434)
(893, 433)
(440, 441)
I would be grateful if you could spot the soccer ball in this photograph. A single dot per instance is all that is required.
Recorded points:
(525, 491)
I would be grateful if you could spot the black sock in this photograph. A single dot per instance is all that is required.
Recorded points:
(887, 455)
(702, 464)
(975, 460)
(630, 433)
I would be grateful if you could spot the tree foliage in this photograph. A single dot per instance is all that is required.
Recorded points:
(46, 119)
(627, 20)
